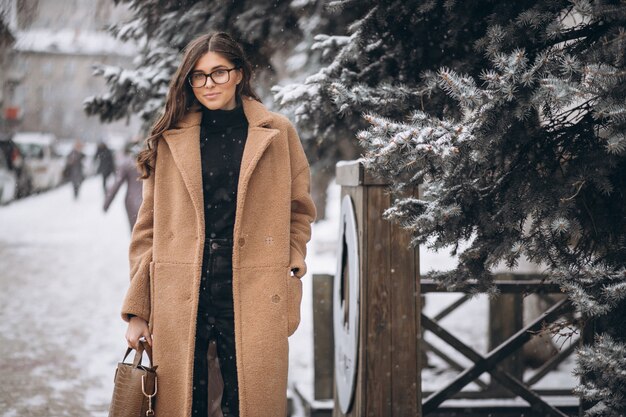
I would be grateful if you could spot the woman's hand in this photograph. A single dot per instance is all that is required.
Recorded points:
(137, 327)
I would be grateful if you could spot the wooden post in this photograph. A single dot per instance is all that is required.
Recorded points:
(323, 345)
(388, 370)
(588, 332)
(506, 317)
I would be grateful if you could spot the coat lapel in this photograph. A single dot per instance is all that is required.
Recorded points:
(185, 148)
(260, 135)
(184, 144)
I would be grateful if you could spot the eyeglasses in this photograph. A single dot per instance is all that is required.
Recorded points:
(221, 76)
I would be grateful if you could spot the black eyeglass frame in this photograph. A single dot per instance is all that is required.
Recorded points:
(206, 76)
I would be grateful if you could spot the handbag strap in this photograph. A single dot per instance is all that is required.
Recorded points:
(148, 350)
(143, 345)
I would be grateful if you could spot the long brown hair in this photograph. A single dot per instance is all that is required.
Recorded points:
(180, 97)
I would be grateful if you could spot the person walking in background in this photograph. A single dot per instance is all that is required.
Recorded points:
(74, 167)
(218, 250)
(106, 163)
(128, 174)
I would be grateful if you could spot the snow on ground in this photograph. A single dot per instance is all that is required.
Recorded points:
(64, 274)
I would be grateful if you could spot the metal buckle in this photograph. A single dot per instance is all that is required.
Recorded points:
(150, 411)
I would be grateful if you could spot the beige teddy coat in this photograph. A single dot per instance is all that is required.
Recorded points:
(272, 227)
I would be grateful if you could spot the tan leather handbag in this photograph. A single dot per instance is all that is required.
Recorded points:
(135, 386)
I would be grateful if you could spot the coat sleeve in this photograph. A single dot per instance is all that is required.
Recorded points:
(303, 211)
(137, 299)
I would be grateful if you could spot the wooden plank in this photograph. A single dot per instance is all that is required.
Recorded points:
(459, 302)
(402, 280)
(377, 301)
(506, 317)
(556, 392)
(360, 200)
(349, 173)
(352, 174)
(453, 364)
(505, 287)
(490, 361)
(323, 346)
(503, 377)
(389, 328)
(312, 407)
(486, 395)
(370, 179)
(494, 410)
(418, 299)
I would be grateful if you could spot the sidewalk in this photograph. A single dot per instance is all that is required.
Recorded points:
(64, 271)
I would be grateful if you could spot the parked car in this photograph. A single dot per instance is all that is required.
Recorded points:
(15, 162)
(8, 180)
(44, 164)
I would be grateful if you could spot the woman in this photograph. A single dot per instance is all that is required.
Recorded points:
(74, 167)
(126, 174)
(190, 280)
(106, 163)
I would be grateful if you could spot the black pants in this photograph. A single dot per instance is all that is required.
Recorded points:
(216, 322)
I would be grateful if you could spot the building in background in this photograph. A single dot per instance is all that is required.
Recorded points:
(7, 41)
(49, 69)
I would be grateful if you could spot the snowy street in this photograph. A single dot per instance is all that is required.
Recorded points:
(64, 272)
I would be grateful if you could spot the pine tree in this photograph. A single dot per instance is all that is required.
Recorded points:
(513, 116)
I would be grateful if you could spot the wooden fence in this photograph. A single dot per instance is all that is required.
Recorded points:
(501, 360)
(368, 327)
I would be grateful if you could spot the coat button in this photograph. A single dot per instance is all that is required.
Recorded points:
(215, 245)
(242, 241)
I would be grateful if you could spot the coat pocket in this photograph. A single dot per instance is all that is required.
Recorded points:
(294, 299)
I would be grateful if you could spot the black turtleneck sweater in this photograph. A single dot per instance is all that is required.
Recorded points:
(223, 135)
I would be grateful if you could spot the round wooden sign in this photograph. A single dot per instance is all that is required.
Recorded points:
(346, 306)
